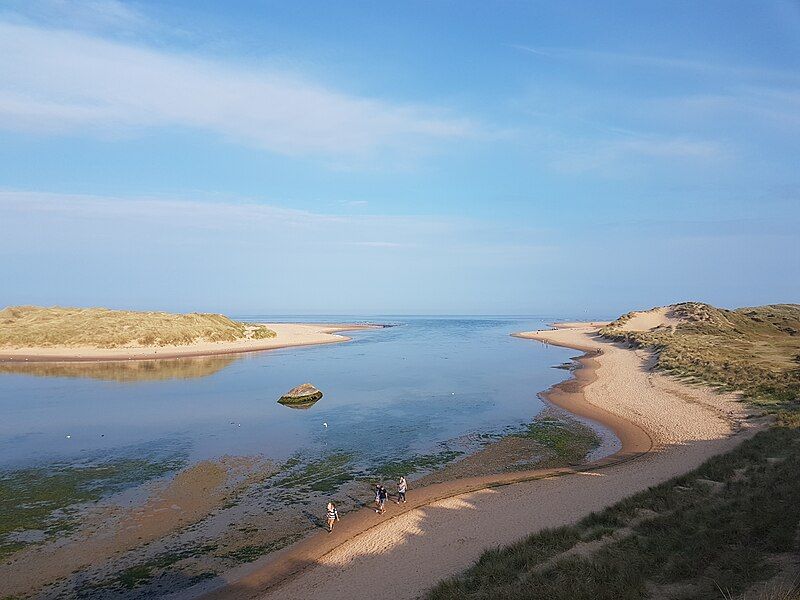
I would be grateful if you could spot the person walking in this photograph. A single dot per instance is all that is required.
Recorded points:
(402, 486)
(382, 495)
(332, 515)
(377, 497)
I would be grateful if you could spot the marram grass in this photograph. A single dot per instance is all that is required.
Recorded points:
(36, 327)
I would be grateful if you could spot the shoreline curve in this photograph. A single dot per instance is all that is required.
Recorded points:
(289, 335)
(269, 573)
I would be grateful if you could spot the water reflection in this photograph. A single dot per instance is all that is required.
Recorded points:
(125, 371)
(299, 405)
(390, 393)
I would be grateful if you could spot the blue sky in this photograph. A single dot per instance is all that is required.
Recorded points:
(432, 157)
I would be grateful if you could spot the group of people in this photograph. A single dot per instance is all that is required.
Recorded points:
(381, 495)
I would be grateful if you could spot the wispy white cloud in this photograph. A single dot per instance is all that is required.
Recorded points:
(776, 107)
(110, 16)
(625, 153)
(267, 223)
(62, 81)
(269, 220)
(673, 63)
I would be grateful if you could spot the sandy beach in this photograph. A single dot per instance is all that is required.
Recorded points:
(666, 428)
(287, 335)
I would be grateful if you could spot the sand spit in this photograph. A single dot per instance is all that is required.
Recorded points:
(287, 335)
(666, 429)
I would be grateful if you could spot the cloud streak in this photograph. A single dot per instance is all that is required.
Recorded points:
(689, 65)
(87, 15)
(54, 81)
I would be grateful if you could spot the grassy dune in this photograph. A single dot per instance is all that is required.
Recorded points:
(755, 350)
(729, 529)
(35, 327)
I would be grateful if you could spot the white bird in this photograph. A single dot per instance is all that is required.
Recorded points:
(69, 436)
(324, 424)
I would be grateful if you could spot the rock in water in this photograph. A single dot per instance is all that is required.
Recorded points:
(301, 396)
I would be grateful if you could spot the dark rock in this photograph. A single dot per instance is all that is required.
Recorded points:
(302, 396)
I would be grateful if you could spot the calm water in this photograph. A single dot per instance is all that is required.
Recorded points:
(388, 393)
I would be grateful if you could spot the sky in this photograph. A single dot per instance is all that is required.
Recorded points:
(569, 158)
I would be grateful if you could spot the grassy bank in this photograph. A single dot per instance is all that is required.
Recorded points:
(729, 529)
(36, 327)
(710, 534)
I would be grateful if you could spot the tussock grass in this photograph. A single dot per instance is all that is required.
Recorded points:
(36, 327)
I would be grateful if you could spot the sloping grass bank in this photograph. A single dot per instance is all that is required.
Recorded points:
(712, 533)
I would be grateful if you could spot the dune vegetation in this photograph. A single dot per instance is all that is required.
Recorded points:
(725, 530)
(729, 529)
(753, 350)
(36, 327)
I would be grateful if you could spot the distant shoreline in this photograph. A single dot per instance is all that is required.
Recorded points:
(289, 335)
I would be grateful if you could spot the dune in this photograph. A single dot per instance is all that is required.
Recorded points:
(650, 319)
(33, 334)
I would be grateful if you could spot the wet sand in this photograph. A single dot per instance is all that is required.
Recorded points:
(110, 530)
(665, 429)
(288, 335)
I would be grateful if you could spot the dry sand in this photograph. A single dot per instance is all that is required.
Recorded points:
(650, 319)
(666, 429)
(287, 335)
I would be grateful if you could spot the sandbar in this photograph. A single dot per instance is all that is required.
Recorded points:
(287, 335)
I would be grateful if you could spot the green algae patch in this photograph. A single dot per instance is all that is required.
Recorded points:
(325, 475)
(147, 573)
(46, 500)
(567, 440)
(251, 552)
(416, 464)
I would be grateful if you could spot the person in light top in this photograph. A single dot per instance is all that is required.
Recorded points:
(402, 486)
(332, 515)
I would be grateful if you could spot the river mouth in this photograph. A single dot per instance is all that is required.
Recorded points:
(427, 399)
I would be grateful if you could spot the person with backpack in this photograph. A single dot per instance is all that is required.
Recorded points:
(381, 496)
